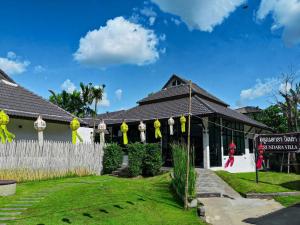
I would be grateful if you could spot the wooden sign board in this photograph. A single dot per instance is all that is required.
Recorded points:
(288, 142)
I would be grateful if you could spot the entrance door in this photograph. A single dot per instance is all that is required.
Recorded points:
(215, 152)
(197, 144)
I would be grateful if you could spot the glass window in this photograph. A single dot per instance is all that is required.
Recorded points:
(237, 136)
(251, 145)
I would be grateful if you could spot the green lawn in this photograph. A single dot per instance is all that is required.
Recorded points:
(102, 200)
(268, 182)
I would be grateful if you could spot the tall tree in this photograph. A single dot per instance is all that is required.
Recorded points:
(97, 94)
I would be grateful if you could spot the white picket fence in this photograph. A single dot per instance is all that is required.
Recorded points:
(52, 156)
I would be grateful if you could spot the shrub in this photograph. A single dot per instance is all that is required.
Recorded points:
(136, 152)
(152, 161)
(179, 168)
(112, 159)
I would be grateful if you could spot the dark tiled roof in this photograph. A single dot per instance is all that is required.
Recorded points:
(105, 116)
(180, 90)
(161, 110)
(248, 109)
(177, 107)
(232, 114)
(19, 102)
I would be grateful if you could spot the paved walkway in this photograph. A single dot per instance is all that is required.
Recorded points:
(229, 208)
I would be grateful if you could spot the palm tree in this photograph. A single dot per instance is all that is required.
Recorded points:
(97, 94)
(87, 97)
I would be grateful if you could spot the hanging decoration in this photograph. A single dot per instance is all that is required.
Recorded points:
(171, 123)
(5, 135)
(182, 121)
(40, 126)
(74, 125)
(260, 157)
(230, 159)
(102, 129)
(124, 130)
(157, 129)
(142, 129)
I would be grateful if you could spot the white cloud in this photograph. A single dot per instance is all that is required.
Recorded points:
(11, 55)
(119, 93)
(12, 65)
(286, 15)
(119, 42)
(146, 11)
(68, 86)
(200, 14)
(285, 87)
(39, 69)
(176, 21)
(261, 88)
(105, 101)
(152, 20)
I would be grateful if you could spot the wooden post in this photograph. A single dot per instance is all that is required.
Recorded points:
(188, 148)
(288, 163)
(255, 156)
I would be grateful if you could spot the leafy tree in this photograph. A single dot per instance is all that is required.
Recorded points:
(96, 96)
(274, 118)
(79, 102)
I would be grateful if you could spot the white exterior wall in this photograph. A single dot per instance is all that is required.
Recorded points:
(86, 134)
(24, 130)
(242, 163)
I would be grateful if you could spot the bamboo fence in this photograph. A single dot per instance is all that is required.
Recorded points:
(27, 160)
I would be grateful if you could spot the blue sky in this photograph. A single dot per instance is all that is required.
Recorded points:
(235, 52)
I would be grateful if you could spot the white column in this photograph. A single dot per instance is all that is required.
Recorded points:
(222, 147)
(206, 159)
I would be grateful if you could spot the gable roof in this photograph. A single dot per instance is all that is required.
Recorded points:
(174, 101)
(20, 102)
(169, 91)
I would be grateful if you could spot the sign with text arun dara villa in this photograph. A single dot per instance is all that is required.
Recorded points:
(289, 142)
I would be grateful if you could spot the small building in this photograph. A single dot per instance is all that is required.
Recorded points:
(250, 111)
(213, 125)
(24, 107)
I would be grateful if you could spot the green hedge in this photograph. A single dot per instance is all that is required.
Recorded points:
(136, 152)
(112, 159)
(152, 161)
(179, 153)
(144, 159)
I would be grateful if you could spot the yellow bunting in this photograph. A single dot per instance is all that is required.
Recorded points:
(74, 125)
(182, 121)
(5, 135)
(124, 129)
(157, 129)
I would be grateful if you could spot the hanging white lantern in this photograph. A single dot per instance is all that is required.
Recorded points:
(171, 123)
(40, 126)
(102, 129)
(142, 129)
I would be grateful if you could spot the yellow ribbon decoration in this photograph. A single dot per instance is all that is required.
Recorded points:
(124, 129)
(182, 121)
(157, 129)
(74, 125)
(5, 135)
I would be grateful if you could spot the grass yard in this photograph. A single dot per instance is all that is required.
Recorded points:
(268, 182)
(100, 200)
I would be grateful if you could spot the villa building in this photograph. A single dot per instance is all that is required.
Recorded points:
(213, 125)
(24, 107)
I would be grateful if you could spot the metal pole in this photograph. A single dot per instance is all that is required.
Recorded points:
(255, 156)
(188, 148)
